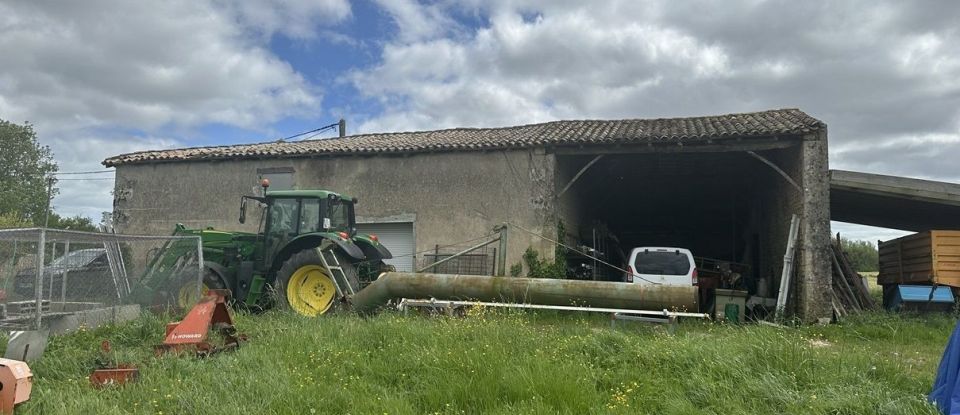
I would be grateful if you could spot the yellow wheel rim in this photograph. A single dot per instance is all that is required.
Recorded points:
(186, 298)
(310, 291)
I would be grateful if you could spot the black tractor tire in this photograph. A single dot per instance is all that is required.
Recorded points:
(211, 281)
(307, 258)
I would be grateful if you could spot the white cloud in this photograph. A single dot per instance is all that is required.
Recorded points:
(417, 21)
(293, 18)
(116, 63)
(584, 62)
(90, 195)
(856, 65)
(871, 234)
(885, 75)
(83, 71)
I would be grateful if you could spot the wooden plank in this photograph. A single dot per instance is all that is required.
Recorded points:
(838, 310)
(854, 279)
(952, 280)
(911, 261)
(913, 269)
(844, 287)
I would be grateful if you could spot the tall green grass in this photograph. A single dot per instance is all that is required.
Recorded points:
(507, 363)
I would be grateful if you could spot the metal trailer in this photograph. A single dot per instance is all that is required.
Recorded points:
(930, 258)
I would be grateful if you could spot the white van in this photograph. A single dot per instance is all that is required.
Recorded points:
(662, 266)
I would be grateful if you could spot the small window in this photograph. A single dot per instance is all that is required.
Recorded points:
(281, 178)
(661, 263)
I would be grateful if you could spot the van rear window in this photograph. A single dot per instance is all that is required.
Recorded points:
(661, 263)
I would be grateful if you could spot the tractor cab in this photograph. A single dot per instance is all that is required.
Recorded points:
(293, 213)
(297, 212)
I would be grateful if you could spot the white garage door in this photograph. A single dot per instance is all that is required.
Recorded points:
(398, 238)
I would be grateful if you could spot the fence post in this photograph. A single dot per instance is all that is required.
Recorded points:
(63, 280)
(200, 262)
(38, 287)
(502, 259)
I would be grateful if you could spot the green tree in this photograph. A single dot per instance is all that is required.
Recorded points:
(12, 220)
(76, 223)
(863, 254)
(28, 169)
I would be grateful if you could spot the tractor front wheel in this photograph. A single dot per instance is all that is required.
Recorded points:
(187, 295)
(305, 286)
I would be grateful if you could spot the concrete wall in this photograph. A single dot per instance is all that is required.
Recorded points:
(779, 201)
(815, 263)
(452, 196)
(807, 165)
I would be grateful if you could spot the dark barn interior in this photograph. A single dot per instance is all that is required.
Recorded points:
(728, 206)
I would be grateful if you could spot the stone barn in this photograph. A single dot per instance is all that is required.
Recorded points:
(723, 186)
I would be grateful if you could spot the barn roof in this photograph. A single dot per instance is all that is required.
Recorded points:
(554, 133)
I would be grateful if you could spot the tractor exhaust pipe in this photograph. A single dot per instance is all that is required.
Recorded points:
(397, 285)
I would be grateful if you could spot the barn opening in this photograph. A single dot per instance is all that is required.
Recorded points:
(729, 207)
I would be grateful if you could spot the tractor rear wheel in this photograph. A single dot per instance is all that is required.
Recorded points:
(304, 285)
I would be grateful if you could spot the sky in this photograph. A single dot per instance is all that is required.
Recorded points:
(103, 77)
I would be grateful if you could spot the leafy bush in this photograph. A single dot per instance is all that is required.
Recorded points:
(537, 268)
(516, 270)
(863, 254)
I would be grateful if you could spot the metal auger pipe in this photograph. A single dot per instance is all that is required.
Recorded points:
(396, 285)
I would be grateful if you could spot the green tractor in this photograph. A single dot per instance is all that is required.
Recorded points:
(307, 255)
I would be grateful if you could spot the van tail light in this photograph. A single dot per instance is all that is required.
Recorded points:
(629, 273)
(694, 279)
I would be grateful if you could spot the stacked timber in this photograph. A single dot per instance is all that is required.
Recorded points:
(850, 295)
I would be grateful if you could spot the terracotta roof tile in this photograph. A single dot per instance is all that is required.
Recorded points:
(555, 133)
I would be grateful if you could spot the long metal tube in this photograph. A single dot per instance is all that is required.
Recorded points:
(396, 285)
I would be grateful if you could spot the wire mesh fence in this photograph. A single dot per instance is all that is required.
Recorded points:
(482, 261)
(55, 277)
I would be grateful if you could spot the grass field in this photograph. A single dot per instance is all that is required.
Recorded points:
(509, 362)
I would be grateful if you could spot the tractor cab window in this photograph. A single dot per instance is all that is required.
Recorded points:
(283, 216)
(338, 211)
(310, 216)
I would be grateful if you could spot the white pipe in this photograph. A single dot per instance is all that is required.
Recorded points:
(406, 302)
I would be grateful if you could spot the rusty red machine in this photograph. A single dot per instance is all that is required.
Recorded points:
(16, 381)
(112, 373)
(191, 334)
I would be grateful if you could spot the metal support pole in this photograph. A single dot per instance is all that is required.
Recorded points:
(63, 284)
(784, 293)
(38, 281)
(778, 170)
(200, 266)
(502, 259)
(53, 257)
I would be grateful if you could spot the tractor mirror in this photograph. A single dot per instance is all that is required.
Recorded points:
(243, 210)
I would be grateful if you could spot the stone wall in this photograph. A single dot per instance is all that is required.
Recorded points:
(452, 197)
